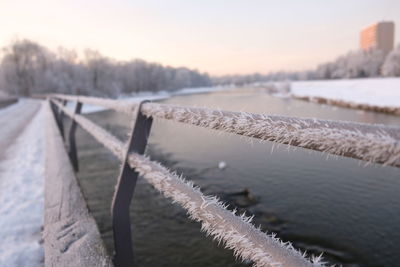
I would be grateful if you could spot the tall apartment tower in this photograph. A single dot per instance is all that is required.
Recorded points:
(378, 36)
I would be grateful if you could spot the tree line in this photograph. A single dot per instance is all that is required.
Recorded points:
(355, 64)
(28, 68)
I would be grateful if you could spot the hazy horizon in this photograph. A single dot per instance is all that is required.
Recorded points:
(218, 37)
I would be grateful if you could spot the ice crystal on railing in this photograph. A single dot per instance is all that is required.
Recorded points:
(237, 232)
(366, 142)
(234, 232)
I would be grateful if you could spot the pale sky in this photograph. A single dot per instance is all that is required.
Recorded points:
(216, 36)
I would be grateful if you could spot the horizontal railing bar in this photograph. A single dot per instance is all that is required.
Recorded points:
(371, 143)
(368, 142)
(108, 140)
(117, 105)
(236, 232)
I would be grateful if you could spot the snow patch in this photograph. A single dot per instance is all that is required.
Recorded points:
(10, 108)
(21, 197)
(381, 92)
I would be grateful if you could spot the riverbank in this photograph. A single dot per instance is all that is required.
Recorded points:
(378, 95)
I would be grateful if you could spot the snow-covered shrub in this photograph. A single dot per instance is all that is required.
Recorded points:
(391, 67)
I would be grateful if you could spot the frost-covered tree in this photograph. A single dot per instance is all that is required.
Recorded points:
(391, 67)
(28, 68)
(103, 79)
(355, 64)
(70, 76)
(24, 66)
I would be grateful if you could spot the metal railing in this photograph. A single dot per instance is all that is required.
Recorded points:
(370, 143)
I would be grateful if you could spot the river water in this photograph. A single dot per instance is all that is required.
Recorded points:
(333, 205)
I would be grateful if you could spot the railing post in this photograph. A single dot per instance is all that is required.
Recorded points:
(60, 120)
(55, 110)
(72, 152)
(124, 255)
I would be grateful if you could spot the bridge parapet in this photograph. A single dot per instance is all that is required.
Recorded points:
(71, 235)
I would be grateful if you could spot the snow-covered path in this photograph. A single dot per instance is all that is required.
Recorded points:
(21, 184)
(13, 119)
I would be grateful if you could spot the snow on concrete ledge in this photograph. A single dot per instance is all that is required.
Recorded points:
(383, 93)
(71, 236)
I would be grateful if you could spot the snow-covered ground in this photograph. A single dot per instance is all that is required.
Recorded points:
(381, 92)
(21, 195)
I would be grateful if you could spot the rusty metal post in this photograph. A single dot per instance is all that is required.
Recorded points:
(124, 255)
(72, 152)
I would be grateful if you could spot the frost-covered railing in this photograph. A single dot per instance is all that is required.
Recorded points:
(368, 142)
(372, 143)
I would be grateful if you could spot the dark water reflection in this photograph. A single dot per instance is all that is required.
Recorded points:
(337, 206)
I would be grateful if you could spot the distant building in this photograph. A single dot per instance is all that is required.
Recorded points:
(378, 36)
